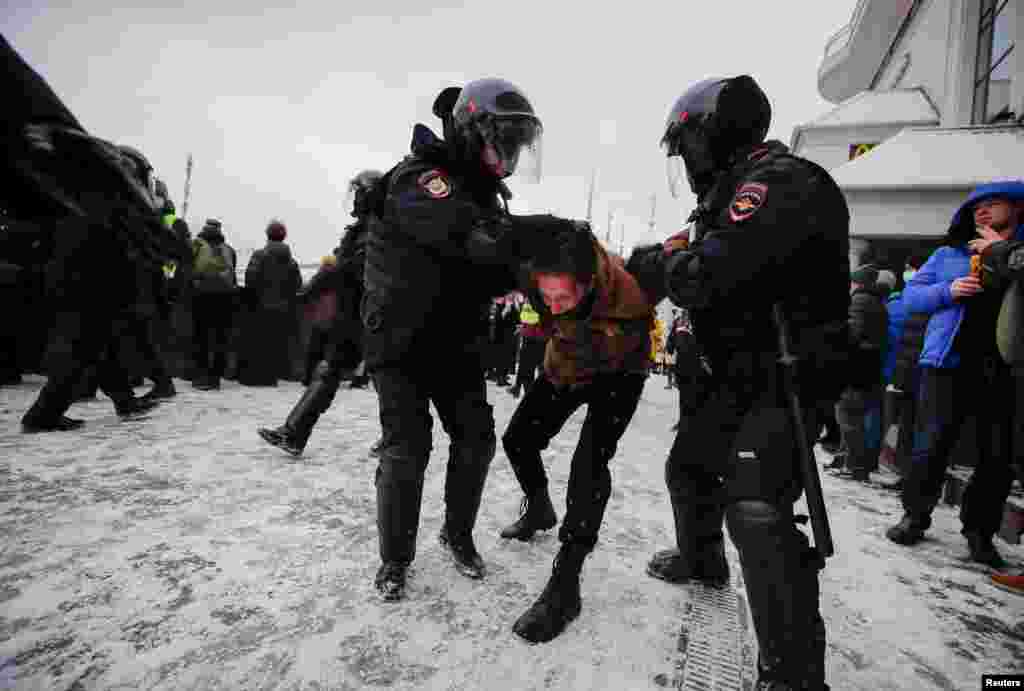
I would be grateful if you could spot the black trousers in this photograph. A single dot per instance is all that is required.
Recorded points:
(611, 401)
(212, 315)
(945, 399)
(531, 358)
(142, 330)
(457, 389)
(737, 456)
(80, 340)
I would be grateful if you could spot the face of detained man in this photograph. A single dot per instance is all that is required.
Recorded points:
(561, 292)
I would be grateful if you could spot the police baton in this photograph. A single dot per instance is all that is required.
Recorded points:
(808, 465)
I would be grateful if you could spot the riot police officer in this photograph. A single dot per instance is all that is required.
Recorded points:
(770, 230)
(98, 227)
(438, 252)
(345, 340)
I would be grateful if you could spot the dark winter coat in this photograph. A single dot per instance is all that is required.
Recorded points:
(869, 330)
(772, 229)
(344, 282)
(908, 351)
(427, 295)
(272, 278)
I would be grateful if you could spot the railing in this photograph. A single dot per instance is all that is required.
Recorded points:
(842, 37)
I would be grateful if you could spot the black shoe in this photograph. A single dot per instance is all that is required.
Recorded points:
(61, 424)
(281, 439)
(390, 580)
(165, 390)
(909, 531)
(709, 567)
(206, 384)
(133, 407)
(463, 552)
(895, 486)
(10, 379)
(537, 514)
(557, 605)
(837, 463)
(983, 551)
(831, 445)
(857, 474)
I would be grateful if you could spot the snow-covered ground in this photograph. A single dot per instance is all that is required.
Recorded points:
(181, 552)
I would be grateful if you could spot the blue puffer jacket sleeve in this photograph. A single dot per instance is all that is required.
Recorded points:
(929, 290)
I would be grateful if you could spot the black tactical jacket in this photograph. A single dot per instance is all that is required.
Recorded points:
(426, 296)
(773, 229)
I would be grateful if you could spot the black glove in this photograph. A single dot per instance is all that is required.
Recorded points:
(683, 281)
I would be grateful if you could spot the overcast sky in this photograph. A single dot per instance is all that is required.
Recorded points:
(282, 106)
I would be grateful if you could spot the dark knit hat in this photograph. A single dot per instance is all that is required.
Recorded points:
(276, 231)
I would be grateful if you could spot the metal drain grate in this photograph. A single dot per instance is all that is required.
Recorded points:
(716, 642)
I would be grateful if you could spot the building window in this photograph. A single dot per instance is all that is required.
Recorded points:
(992, 69)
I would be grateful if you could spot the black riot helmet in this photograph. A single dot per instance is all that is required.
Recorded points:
(358, 197)
(495, 127)
(708, 125)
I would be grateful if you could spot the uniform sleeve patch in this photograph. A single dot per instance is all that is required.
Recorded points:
(435, 183)
(749, 198)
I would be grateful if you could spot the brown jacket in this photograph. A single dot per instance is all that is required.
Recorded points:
(613, 336)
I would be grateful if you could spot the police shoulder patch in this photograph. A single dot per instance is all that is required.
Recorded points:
(747, 200)
(435, 183)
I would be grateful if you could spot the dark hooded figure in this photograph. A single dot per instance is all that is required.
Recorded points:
(94, 225)
(214, 289)
(272, 282)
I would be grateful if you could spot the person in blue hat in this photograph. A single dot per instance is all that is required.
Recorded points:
(962, 372)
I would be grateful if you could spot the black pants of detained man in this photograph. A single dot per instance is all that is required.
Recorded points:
(736, 456)
(459, 394)
(611, 401)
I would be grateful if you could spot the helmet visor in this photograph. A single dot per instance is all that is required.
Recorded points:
(512, 145)
(675, 169)
(687, 146)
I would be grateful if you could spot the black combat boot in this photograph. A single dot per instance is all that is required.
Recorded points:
(399, 496)
(316, 399)
(161, 389)
(910, 529)
(559, 603)
(390, 580)
(707, 564)
(130, 406)
(982, 549)
(460, 546)
(282, 438)
(61, 424)
(538, 513)
(699, 554)
(466, 473)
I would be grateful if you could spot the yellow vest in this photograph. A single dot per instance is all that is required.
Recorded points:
(528, 315)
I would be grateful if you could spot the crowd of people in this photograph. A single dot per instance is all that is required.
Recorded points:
(437, 287)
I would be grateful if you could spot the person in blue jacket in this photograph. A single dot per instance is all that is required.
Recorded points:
(962, 372)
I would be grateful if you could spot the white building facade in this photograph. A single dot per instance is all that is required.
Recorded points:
(929, 101)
